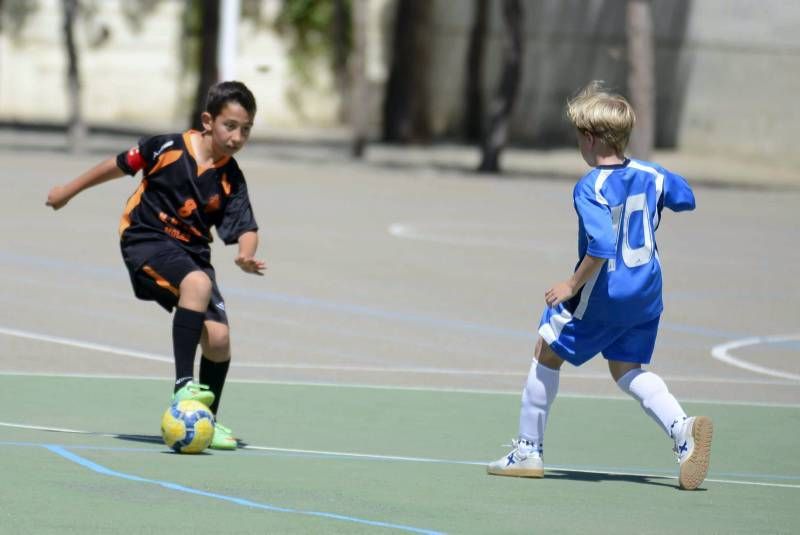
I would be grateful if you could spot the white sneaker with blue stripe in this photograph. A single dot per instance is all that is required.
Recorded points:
(525, 460)
(693, 449)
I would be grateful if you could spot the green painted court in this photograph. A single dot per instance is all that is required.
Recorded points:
(338, 459)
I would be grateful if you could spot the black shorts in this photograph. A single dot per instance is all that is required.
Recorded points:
(157, 268)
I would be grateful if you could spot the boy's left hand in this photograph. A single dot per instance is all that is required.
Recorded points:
(57, 197)
(559, 293)
(248, 264)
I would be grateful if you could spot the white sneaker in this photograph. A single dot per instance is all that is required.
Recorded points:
(693, 449)
(525, 460)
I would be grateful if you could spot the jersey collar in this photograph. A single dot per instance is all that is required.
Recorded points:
(615, 166)
(187, 141)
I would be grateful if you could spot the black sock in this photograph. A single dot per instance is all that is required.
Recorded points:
(213, 374)
(187, 327)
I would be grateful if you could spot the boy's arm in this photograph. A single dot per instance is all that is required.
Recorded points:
(678, 195)
(248, 243)
(102, 172)
(566, 289)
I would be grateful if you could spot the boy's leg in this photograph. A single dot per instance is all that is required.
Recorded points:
(626, 355)
(216, 359)
(163, 272)
(213, 369)
(691, 436)
(650, 391)
(540, 390)
(187, 324)
(214, 366)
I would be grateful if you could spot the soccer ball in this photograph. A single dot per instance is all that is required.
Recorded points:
(187, 426)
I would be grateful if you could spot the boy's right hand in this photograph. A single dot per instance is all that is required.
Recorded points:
(559, 293)
(248, 264)
(57, 197)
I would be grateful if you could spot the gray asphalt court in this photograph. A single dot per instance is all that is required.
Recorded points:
(413, 278)
(408, 276)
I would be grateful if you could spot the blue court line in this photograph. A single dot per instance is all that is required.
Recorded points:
(265, 452)
(55, 263)
(373, 312)
(238, 501)
(349, 308)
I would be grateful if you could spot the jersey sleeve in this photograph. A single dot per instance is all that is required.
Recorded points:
(238, 215)
(595, 217)
(135, 159)
(678, 195)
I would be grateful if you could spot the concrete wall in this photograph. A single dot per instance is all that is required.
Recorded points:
(727, 70)
(137, 78)
(567, 44)
(744, 77)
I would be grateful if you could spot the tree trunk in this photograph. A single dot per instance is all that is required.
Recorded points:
(406, 117)
(473, 99)
(76, 127)
(641, 75)
(209, 69)
(496, 135)
(359, 95)
(343, 24)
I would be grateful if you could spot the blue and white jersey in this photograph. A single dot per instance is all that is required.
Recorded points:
(619, 209)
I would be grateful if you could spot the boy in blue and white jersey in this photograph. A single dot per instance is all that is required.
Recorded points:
(612, 302)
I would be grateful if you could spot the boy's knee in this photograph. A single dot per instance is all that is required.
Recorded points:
(216, 343)
(196, 279)
(546, 356)
(196, 282)
(619, 369)
(195, 291)
(642, 384)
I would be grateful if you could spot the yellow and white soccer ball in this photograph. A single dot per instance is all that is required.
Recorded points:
(187, 426)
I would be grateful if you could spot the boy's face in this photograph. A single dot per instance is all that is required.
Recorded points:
(230, 129)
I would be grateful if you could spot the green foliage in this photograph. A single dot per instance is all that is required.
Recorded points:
(136, 11)
(14, 14)
(312, 30)
(315, 30)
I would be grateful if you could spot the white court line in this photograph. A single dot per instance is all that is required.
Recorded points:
(54, 429)
(474, 463)
(103, 348)
(115, 350)
(722, 353)
(396, 388)
(377, 457)
(467, 235)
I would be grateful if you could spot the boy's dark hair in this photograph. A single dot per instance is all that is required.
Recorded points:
(224, 92)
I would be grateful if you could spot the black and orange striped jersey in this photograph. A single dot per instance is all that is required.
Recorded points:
(177, 200)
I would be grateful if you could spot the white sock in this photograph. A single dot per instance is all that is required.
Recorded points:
(538, 395)
(652, 393)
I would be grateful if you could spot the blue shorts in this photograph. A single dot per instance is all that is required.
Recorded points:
(577, 341)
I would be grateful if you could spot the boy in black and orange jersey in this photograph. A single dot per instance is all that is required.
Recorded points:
(190, 183)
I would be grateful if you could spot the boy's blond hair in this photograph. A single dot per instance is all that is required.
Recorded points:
(605, 115)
